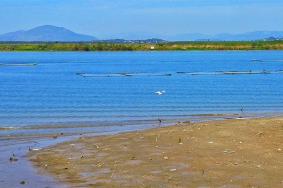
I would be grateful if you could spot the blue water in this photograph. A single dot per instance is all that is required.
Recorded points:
(54, 92)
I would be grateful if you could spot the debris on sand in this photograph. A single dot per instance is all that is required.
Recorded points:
(229, 151)
(180, 141)
(23, 182)
(13, 158)
(260, 134)
(187, 122)
(35, 149)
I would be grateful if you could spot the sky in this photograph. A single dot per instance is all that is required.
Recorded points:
(114, 18)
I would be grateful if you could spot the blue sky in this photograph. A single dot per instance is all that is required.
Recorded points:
(113, 18)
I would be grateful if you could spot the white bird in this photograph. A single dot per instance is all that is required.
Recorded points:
(160, 92)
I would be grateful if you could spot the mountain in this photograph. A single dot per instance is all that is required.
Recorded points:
(49, 33)
(46, 33)
(257, 35)
(250, 36)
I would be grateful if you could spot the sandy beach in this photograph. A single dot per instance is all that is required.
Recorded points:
(226, 153)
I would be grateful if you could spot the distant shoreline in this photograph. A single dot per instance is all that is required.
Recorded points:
(168, 46)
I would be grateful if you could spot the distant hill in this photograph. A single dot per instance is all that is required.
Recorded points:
(250, 36)
(49, 33)
(46, 33)
(257, 35)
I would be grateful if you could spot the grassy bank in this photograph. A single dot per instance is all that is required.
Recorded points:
(229, 153)
(256, 45)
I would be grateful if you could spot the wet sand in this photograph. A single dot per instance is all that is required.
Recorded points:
(227, 153)
(15, 168)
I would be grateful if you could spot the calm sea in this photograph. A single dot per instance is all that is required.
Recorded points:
(78, 92)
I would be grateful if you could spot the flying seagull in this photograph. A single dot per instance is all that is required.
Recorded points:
(160, 92)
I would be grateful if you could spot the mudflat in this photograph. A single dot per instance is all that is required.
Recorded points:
(226, 153)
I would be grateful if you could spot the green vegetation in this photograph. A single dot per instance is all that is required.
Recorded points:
(256, 45)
